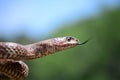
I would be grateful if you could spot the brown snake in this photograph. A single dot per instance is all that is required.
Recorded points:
(11, 55)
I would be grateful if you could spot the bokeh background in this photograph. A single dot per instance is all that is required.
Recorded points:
(28, 21)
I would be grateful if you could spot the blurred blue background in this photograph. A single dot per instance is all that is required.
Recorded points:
(28, 21)
(36, 18)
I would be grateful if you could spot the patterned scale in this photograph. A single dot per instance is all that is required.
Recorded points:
(10, 50)
(14, 70)
(12, 54)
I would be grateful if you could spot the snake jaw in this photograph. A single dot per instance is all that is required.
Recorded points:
(62, 43)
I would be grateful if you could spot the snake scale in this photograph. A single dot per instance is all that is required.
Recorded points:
(12, 55)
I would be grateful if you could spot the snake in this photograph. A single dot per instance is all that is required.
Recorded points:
(12, 55)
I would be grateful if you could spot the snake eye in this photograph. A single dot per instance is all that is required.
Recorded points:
(68, 38)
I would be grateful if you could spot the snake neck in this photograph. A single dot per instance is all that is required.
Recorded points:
(46, 47)
(40, 49)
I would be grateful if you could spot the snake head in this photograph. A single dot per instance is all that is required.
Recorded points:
(62, 43)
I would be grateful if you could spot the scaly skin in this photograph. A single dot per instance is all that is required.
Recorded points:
(11, 54)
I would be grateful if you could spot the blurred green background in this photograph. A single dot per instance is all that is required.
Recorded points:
(99, 59)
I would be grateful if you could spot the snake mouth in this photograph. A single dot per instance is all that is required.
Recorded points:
(83, 42)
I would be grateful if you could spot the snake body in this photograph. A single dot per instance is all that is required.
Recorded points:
(12, 54)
